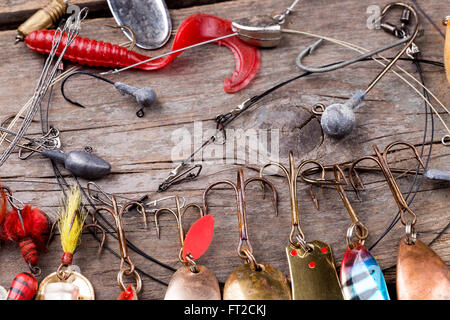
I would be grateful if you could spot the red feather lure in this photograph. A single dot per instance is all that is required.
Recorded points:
(33, 238)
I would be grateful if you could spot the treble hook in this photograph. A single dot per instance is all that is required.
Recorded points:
(296, 236)
(382, 161)
(145, 96)
(125, 258)
(244, 249)
(338, 120)
(178, 214)
(109, 200)
(357, 226)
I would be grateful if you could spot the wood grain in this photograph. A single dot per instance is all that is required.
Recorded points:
(191, 90)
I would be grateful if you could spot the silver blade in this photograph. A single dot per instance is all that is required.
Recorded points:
(149, 20)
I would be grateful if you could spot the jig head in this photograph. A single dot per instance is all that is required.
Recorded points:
(338, 120)
(195, 30)
(145, 96)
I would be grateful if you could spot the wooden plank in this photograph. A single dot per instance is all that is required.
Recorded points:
(14, 12)
(191, 89)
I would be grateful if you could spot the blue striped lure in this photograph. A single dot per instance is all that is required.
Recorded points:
(361, 276)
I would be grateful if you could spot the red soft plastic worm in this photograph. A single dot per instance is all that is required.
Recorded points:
(196, 28)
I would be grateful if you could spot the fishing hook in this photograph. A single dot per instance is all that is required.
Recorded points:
(338, 120)
(145, 96)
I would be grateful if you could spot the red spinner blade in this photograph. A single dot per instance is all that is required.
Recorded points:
(199, 237)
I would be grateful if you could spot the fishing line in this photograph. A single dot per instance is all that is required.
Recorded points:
(428, 18)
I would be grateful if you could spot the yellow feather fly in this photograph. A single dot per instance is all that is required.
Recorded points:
(71, 221)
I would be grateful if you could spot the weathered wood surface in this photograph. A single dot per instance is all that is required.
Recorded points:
(191, 89)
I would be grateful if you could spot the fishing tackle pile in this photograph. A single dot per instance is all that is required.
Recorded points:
(313, 273)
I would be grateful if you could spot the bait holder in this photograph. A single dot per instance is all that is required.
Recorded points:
(244, 249)
(407, 216)
(145, 97)
(338, 120)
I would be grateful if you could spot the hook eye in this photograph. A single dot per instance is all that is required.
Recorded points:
(446, 140)
(318, 109)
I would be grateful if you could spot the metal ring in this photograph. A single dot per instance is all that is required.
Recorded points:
(193, 265)
(35, 270)
(446, 140)
(445, 20)
(318, 109)
(63, 274)
(136, 276)
(251, 260)
(362, 235)
(304, 245)
(411, 235)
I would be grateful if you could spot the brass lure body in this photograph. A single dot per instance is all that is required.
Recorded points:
(251, 281)
(43, 18)
(268, 283)
(311, 264)
(313, 274)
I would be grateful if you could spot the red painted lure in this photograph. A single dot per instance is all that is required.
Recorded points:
(195, 29)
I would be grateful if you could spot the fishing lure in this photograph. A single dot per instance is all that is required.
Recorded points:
(145, 96)
(311, 264)
(192, 281)
(149, 20)
(252, 280)
(43, 18)
(361, 276)
(195, 29)
(127, 267)
(81, 163)
(67, 283)
(421, 273)
(23, 287)
(338, 120)
(27, 226)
